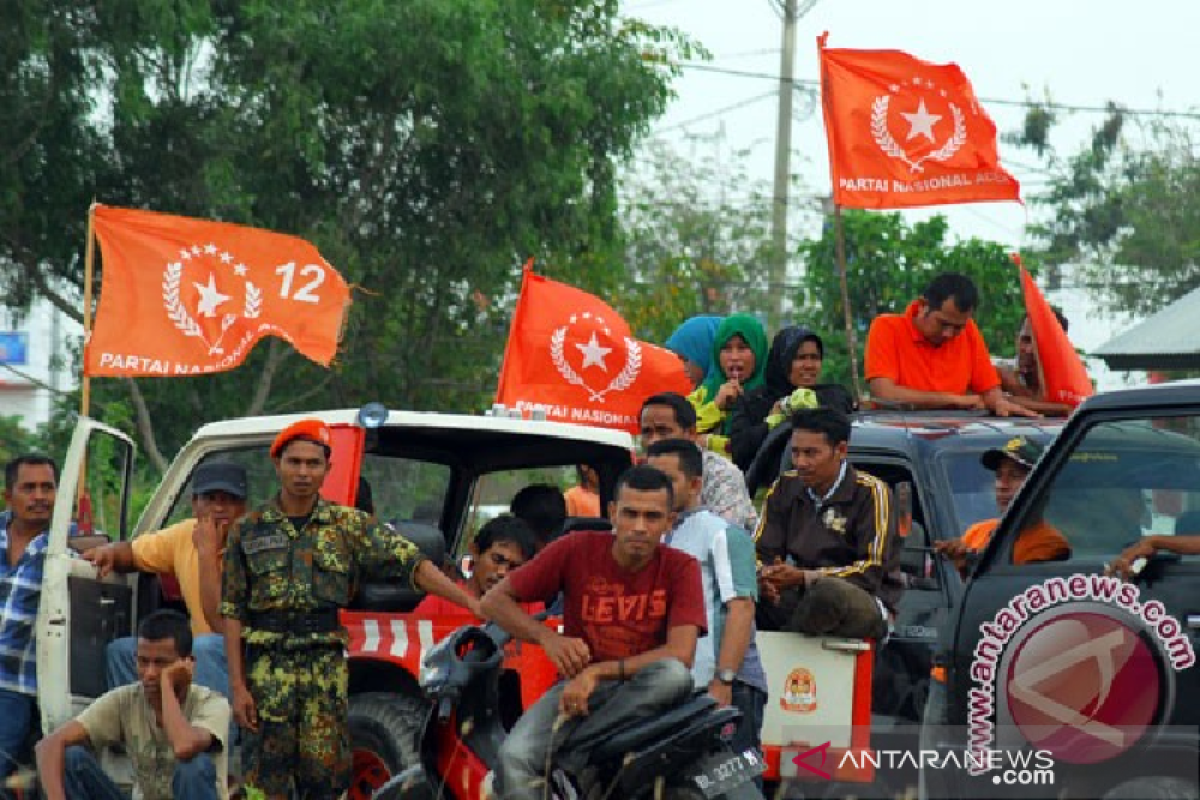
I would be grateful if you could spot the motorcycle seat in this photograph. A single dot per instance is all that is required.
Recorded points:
(636, 735)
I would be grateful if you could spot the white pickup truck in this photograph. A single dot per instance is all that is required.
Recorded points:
(436, 476)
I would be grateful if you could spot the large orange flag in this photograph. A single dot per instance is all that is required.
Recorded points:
(1063, 373)
(570, 355)
(182, 296)
(903, 133)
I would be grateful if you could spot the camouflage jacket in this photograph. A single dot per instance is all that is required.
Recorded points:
(271, 566)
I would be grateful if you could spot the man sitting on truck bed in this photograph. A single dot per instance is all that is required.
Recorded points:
(502, 545)
(191, 550)
(837, 528)
(174, 732)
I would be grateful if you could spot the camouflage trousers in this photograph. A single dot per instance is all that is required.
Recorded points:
(303, 728)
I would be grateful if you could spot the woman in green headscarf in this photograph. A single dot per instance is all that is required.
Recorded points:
(740, 354)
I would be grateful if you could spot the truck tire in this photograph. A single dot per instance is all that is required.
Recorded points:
(1154, 787)
(384, 731)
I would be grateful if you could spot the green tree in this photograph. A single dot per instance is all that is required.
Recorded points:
(427, 147)
(696, 238)
(1125, 208)
(888, 264)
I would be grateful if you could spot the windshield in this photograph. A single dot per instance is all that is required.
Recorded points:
(972, 487)
(1125, 480)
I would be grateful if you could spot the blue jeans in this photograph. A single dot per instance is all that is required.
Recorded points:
(522, 764)
(209, 649)
(750, 700)
(84, 778)
(16, 716)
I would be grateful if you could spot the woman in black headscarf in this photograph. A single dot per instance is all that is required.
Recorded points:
(791, 382)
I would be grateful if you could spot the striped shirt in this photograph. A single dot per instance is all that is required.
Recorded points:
(20, 591)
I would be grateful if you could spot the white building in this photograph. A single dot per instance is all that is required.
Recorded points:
(36, 361)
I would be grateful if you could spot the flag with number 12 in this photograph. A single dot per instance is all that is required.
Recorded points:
(182, 296)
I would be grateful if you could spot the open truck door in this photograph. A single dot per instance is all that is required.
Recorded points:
(80, 614)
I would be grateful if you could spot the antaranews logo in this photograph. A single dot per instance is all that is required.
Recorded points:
(1076, 666)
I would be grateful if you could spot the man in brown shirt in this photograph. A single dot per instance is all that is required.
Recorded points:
(827, 539)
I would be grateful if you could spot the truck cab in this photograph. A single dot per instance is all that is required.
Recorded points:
(1092, 675)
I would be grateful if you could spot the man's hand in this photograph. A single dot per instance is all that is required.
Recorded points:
(1007, 408)
(208, 537)
(728, 394)
(1122, 567)
(103, 558)
(570, 656)
(245, 712)
(783, 576)
(178, 677)
(955, 549)
(574, 700)
(968, 402)
(721, 692)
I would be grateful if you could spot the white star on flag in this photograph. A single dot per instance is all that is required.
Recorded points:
(226, 258)
(196, 250)
(210, 298)
(211, 249)
(185, 254)
(593, 353)
(921, 122)
(239, 270)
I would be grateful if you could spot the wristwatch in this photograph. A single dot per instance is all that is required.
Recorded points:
(726, 676)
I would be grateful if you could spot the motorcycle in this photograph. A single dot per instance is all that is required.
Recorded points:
(681, 754)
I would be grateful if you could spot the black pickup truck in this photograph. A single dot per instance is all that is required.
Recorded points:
(1093, 676)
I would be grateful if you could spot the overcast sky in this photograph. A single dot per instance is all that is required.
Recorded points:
(1083, 52)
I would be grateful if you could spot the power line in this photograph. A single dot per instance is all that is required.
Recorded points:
(718, 112)
(813, 84)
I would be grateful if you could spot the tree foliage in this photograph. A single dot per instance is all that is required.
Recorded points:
(888, 264)
(1125, 207)
(696, 235)
(427, 147)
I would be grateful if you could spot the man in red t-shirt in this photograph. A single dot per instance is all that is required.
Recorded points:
(503, 544)
(632, 612)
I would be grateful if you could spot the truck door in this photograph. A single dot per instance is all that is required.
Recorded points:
(1053, 655)
(79, 615)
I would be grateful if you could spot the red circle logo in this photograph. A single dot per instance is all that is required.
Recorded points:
(1084, 686)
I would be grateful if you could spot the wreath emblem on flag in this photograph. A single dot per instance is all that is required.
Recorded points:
(890, 147)
(177, 311)
(594, 355)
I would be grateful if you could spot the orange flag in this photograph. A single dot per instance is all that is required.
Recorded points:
(1063, 374)
(182, 296)
(570, 355)
(903, 133)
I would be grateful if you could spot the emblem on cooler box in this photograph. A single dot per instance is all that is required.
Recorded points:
(799, 692)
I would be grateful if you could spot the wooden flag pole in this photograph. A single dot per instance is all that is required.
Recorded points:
(851, 338)
(89, 255)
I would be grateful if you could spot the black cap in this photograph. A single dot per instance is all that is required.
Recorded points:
(220, 477)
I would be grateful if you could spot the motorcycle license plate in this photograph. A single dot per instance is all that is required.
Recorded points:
(717, 774)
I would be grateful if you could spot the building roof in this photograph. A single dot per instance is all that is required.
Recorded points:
(1169, 339)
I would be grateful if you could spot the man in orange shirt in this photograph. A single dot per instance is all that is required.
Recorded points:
(1040, 541)
(933, 355)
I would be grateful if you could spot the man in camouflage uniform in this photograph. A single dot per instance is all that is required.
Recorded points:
(288, 568)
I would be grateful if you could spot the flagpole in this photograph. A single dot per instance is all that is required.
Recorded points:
(89, 255)
(851, 338)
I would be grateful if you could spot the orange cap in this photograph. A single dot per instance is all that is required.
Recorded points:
(314, 430)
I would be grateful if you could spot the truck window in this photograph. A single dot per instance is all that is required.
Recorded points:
(1125, 480)
(260, 478)
(494, 492)
(972, 488)
(404, 489)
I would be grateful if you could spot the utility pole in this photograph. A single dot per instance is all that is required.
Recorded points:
(783, 157)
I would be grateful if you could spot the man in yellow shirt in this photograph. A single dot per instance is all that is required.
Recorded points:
(191, 551)
(1038, 541)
